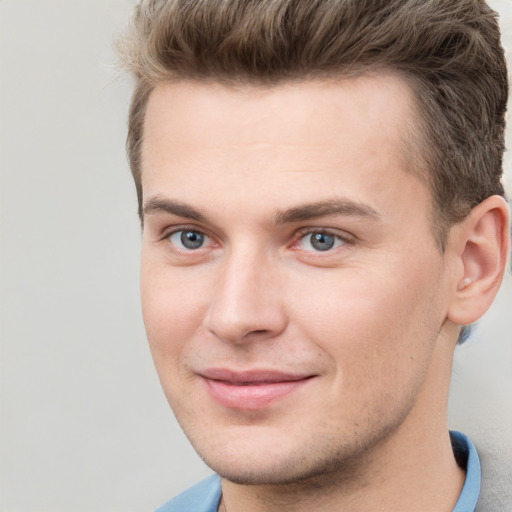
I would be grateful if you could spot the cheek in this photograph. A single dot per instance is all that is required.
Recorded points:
(173, 308)
(376, 327)
(173, 305)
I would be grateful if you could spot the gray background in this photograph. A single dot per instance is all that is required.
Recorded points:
(84, 426)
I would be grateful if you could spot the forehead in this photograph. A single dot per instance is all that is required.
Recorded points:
(348, 136)
(185, 110)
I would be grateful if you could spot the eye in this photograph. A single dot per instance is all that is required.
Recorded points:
(188, 239)
(320, 241)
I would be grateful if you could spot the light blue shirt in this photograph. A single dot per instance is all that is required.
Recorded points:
(464, 449)
(202, 497)
(205, 496)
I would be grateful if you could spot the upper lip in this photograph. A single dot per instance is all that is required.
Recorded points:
(252, 376)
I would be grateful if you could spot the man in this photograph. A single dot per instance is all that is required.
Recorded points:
(319, 189)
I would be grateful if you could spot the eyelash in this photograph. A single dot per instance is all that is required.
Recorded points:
(178, 229)
(345, 238)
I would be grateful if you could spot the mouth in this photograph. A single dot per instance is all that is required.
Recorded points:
(251, 390)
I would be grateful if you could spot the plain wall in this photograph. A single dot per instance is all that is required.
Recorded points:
(84, 424)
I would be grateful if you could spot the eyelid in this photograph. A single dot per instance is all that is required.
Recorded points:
(342, 235)
(347, 238)
(211, 242)
(346, 242)
(167, 232)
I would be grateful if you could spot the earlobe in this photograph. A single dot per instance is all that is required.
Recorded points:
(485, 243)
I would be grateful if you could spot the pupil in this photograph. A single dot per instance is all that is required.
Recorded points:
(191, 239)
(322, 241)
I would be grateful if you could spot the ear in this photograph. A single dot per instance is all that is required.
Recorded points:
(483, 245)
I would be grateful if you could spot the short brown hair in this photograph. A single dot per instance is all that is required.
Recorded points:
(448, 50)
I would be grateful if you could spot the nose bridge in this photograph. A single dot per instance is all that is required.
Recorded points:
(245, 303)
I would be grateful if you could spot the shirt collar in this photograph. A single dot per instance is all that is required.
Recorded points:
(467, 457)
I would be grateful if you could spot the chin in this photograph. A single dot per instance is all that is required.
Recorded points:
(277, 461)
(268, 472)
(251, 456)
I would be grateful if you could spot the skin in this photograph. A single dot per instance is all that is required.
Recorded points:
(372, 322)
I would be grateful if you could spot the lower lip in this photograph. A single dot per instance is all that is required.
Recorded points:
(251, 396)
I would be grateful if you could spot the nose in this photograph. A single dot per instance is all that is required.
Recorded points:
(247, 303)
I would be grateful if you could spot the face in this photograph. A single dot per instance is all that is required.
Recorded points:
(292, 290)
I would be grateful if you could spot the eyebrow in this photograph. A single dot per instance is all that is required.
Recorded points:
(160, 205)
(299, 213)
(309, 211)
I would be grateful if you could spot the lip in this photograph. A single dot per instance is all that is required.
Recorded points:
(251, 390)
